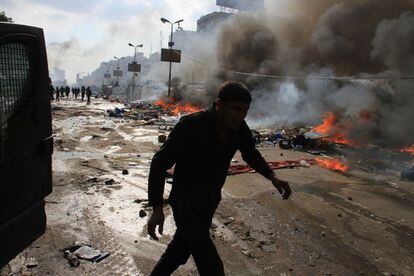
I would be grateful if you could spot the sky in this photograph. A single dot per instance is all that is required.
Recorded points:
(81, 33)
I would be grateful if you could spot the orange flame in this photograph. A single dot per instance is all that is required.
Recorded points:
(332, 164)
(175, 108)
(409, 150)
(336, 132)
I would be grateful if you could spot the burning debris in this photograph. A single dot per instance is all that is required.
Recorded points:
(339, 152)
(153, 111)
(336, 133)
(176, 108)
(332, 164)
(409, 150)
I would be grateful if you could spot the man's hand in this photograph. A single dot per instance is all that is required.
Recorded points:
(157, 218)
(282, 186)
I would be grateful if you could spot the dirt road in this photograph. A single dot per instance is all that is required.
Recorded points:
(334, 224)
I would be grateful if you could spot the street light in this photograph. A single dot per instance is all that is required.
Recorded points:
(170, 44)
(118, 59)
(117, 68)
(134, 62)
(107, 71)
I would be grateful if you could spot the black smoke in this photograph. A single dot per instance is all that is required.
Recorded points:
(371, 38)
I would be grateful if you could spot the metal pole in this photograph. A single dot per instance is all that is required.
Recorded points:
(169, 75)
(133, 76)
(117, 77)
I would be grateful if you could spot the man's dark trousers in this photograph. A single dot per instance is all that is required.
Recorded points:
(191, 238)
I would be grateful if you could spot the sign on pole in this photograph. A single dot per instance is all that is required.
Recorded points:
(107, 76)
(171, 55)
(134, 67)
(117, 73)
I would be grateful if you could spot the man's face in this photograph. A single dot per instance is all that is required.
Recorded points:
(232, 113)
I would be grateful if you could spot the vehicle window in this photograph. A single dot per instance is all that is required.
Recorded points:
(14, 72)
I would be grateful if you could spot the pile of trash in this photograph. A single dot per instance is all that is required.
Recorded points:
(141, 110)
(298, 139)
(85, 252)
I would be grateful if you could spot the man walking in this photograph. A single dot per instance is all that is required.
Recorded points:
(83, 90)
(213, 135)
(88, 95)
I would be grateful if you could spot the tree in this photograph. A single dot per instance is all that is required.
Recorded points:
(4, 18)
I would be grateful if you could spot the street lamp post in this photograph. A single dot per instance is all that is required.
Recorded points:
(107, 71)
(117, 68)
(170, 44)
(135, 53)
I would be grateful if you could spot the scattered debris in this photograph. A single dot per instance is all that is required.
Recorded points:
(228, 220)
(304, 163)
(142, 213)
(109, 182)
(72, 259)
(116, 112)
(93, 179)
(125, 172)
(32, 263)
(162, 138)
(139, 200)
(285, 144)
(86, 252)
(274, 165)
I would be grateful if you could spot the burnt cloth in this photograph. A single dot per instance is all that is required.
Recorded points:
(201, 163)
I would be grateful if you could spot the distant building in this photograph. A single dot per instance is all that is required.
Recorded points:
(155, 57)
(97, 77)
(58, 76)
(209, 22)
(242, 5)
(183, 39)
(84, 80)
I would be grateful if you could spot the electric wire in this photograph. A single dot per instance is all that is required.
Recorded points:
(299, 77)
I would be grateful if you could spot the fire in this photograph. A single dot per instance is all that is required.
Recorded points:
(335, 131)
(176, 108)
(332, 164)
(408, 149)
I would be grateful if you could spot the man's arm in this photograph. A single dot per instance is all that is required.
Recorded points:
(163, 160)
(255, 160)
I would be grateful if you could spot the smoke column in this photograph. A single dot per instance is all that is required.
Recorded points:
(325, 38)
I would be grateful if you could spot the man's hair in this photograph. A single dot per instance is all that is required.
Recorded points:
(232, 91)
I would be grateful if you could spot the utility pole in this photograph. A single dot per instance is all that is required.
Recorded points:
(134, 62)
(117, 68)
(170, 44)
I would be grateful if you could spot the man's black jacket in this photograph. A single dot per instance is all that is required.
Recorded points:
(201, 162)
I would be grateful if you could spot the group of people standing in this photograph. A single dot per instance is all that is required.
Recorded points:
(64, 91)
